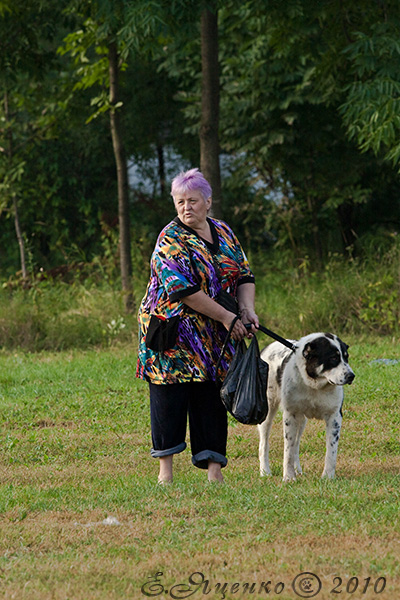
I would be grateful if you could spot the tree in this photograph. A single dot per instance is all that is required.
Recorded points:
(286, 78)
(97, 50)
(12, 169)
(371, 110)
(122, 177)
(293, 93)
(209, 135)
(25, 32)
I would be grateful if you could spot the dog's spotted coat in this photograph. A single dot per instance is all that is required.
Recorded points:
(307, 383)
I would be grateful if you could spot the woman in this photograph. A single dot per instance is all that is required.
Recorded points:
(183, 325)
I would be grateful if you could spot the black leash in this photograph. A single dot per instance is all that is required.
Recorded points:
(225, 344)
(275, 336)
(268, 332)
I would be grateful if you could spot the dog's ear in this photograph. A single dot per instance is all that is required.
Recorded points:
(344, 348)
(343, 344)
(307, 350)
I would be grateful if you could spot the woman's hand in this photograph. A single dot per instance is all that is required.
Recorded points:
(239, 331)
(248, 315)
(246, 296)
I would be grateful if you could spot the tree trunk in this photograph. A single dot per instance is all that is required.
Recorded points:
(345, 217)
(315, 230)
(17, 224)
(20, 238)
(209, 141)
(122, 178)
(161, 170)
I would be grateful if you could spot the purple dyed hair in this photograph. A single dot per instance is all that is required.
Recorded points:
(189, 181)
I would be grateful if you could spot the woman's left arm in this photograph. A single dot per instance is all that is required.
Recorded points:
(246, 297)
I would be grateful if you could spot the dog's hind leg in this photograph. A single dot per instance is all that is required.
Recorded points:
(333, 426)
(293, 427)
(301, 422)
(289, 439)
(264, 431)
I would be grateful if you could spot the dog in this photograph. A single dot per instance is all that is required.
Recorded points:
(307, 383)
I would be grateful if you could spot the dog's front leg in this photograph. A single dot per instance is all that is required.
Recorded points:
(290, 427)
(264, 431)
(333, 426)
(301, 423)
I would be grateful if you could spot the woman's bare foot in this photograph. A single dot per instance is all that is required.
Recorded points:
(214, 472)
(165, 474)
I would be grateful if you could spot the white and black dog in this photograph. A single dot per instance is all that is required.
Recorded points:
(306, 383)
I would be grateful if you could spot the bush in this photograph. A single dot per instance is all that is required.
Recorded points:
(53, 315)
(293, 298)
(347, 296)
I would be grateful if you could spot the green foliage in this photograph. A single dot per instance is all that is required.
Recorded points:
(57, 315)
(372, 108)
(381, 304)
(285, 74)
(62, 207)
(81, 307)
(309, 120)
(349, 296)
(89, 51)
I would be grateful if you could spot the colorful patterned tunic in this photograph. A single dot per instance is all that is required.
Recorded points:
(182, 264)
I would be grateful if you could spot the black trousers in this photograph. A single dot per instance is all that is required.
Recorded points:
(170, 406)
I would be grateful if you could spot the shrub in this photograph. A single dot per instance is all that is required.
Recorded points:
(293, 298)
(53, 315)
(347, 296)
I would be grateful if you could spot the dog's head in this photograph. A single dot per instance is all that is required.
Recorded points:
(325, 359)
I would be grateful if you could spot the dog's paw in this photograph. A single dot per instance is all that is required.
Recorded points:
(328, 475)
(289, 472)
(265, 473)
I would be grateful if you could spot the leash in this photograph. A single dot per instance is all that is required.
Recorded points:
(261, 328)
(225, 344)
(274, 335)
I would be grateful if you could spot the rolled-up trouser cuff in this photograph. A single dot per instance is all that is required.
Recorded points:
(175, 450)
(201, 459)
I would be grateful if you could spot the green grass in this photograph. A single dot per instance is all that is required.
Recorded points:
(75, 450)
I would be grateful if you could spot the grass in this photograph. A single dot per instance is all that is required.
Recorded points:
(75, 451)
(86, 309)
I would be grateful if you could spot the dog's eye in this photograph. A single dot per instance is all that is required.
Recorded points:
(333, 360)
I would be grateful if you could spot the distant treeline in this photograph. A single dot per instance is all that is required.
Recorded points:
(308, 100)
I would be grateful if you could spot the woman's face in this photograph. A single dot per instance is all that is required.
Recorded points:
(192, 208)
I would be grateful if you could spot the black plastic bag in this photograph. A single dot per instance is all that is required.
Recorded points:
(244, 390)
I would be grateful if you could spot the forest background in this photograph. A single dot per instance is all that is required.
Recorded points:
(291, 109)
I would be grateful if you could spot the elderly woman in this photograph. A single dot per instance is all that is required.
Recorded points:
(183, 324)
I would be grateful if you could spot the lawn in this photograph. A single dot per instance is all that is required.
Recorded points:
(82, 517)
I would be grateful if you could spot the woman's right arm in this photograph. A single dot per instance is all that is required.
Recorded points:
(200, 302)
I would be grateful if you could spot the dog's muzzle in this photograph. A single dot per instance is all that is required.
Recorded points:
(348, 380)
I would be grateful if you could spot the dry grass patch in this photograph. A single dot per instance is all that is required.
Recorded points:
(65, 555)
